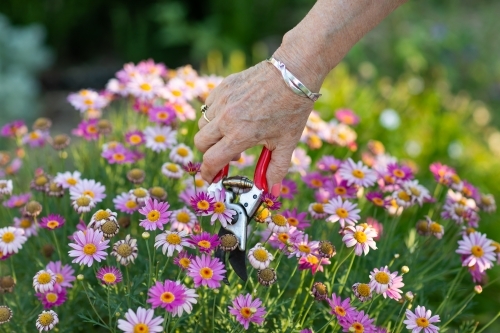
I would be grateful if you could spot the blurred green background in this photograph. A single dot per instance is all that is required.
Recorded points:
(435, 63)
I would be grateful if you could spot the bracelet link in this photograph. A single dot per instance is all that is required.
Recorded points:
(297, 87)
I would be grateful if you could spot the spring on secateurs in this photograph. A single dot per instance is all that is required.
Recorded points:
(238, 184)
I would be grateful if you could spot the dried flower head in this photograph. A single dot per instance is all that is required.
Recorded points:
(42, 124)
(32, 208)
(267, 276)
(109, 228)
(40, 182)
(362, 291)
(319, 291)
(125, 250)
(47, 250)
(5, 314)
(60, 141)
(124, 222)
(136, 176)
(7, 284)
(228, 242)
(104, 127)
(158, 193)
(53, 189)
(326, 249)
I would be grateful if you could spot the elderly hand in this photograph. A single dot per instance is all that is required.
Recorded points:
(247, 109)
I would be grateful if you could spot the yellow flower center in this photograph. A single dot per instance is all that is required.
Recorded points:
(304, 248)
(92, 129)
(279, 220)
(455, 178)
(342, 213)
(422, 226)
(185, 262)
(477, 251)
(340, 190)
(162, 115)
(262, 214)
(284, 189)
(8, 237)
(340, 311)
(206, 273)
(160, 138)
(44, 278)
(89, 193)
(45, 319)
(109, 278)
(435, 227)
(318, 208)
(145, 86)
(118, 156)
(40, 181)
(135, 139)
(101, 215)
(292, 221)
(52, 224)
(246, 312)
(364, 289)
(178, 108)
(51, 297)
(399, 173)
(59, 278)
(203, 205)
(415, 191)
(403, 196)
(25, 223)
(422, 322)
(182, 151)
(316, 183)
(131, 204)
(205, 244)
(378, 202)
(284, 237)
(88, 101)
(141, 328)
(312, 259)
(360, 236)
(382, 277)
(219, 207)
(124, 250)
(358, 174)
(183, 217)
(71, 181)
(153, 215)
(173, 239)
(358, 327)
(89, 249)
(177, 93)
(34, 135)
(172, 167)
(261, 255)
(199, 183)
(167, 297)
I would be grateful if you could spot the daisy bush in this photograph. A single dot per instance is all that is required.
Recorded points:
(110, 228)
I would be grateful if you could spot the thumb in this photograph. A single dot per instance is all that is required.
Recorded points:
(278, 168)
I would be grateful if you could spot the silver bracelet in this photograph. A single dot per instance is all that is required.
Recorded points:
(297, 87)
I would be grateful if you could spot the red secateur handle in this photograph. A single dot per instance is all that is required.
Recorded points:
(259, 176)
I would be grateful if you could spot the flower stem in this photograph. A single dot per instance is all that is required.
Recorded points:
(347, 274)
(93, 307)
(57, 245)
(459, 311)
(489, 323)
(402, 318)
(454, 284)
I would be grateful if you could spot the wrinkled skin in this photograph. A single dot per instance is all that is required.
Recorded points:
(247, 109)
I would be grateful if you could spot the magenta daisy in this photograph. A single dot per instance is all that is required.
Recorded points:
(64, 274)
(347, 117)
(421, 320)
(171, 241)
(125, 203)
(164, 115)
(109, 275)
(206, 242)
(357, 321)
(17, 201)
(192, 168)
(342, 211)
(442, 172)
(314, 180)
(296, 219)
(169, 295)
(37, 138)
(52, 221)
(221, 212)
(88, 246)
(361, 237)
(87, 129)
(67, 179)
(89, 187)
(329, 164)
(183, 260)
(377, 198)
(288, 189)
(135, 138)
(203, 203)
(399, 172)
(246, 309)
(381, 280)
(313, 262)
(271, 201)
(118, 155)
(13, 129)
(340, 188)
(357, 173)
(340, 308)
(477, 250)
(141, 321)
(52, 298)
(182, 219)
(156, 214)
(206, 271)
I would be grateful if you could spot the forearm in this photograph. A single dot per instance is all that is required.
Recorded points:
(322, 39)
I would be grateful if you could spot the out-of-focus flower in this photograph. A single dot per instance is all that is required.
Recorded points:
(244, 161)
(347, 117)
(181, 154)
(319, 291)
(329, 164)
(160, 138)
(87, 129)
(163, 115)
(172, 170)
(17, 201)
(27, 224)
(6, 186)
(317, 210)
(87, 99)
(68, 179)
(362, 291)
(125, 203)
(13, 129)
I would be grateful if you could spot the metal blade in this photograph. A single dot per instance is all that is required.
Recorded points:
(221, 254)
(237, 259)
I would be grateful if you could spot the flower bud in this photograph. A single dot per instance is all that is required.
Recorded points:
(79, 277)
(145, 235)
(409, 296)
(405, 269)
(396, 255)
(118, 314)
(478, 289)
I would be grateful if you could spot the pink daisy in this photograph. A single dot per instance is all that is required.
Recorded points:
(125, 203)
(164, 115)
(37, 138)
(399, 172)
(288, 189)
(206, 271)
(17, 201)
(64, 274)
(246, 309)
(296, 219)
(27, 224)
(359, 321)
(109, 275)
(142, 321)
(156, 214)
(182, 219)
(87, 129)
(183, 260)
(342, 211)
(135, 138)
(347, 117)
(381, 280)
(421, 320)
(174, 297)
(377, 198)
(192, 168)
(313, 262)
(477, 250)
(203, 203)
(89, 187)
(52, 221)
(205, 242)
(221, 212)
(314, 180)
(87, 99)
(52, 298)
(340, 188)
(379, 228)
(302, 247)
(442, 173)
(357, 173)
(329, 164)
(340, 308)
(171, 241)
(393, 291)
(118, 155)
(361, 237)
(88, 246)
(13, 129)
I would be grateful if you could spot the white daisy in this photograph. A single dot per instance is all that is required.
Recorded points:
(259, 257)
(44, 281)
(125, 250)
(421, 320)
(357, 173)
(83, 204)
(102, 215)
(160, 138)
(277, 223)
(67, 179)
(11, 240)
(87, 99)
(477, 250)
(144, 87)
(171, 241)
(139, 195)
(418, 193)
(46, 320)
(342, 211)
(172, 170)
(176, 91)
(89, 187)
(181, 154)
(6, 186)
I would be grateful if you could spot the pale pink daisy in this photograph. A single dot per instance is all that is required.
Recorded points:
(181, 154)
(184, 110)
(340, 308)
(27, 224)
(244, 161)
(477, 250)
(141, 321)
(303, 247)
(381, 280)
(64, 273)
(393, 291)
(176, 91)
(342, 211)
(171, 241)
(221, 212)
(156, 214)
(160, 138)
(421, 320)
(11, 240)
(419, 194)
(89, 187)
(206, 271)
(145, 87)
(172, 170)
(357, 321)
(182, 219)
(36, 138)
(277, 223)
(89, 246)
(361, 237)
(357, 173)
(125, 203)
(247, 310)
(87, 99)
(317, 210)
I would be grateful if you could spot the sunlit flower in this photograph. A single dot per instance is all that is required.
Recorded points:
(443, 173)
(44, 280)
(11, 240)
(144, 87)
(259, 257)
(52, 298)
(156, 214)
(184, 110)
(421, 320)
(171, 241)
(141, 321)
(88, 246)
(109, 275)
(477, 250)
(347, 117)
(160, 138)
(342, 211)
(205, 242)
(357, 173)
(206, 271)
(46, 320)
(246, 309)
(361, 238)
(176, 91)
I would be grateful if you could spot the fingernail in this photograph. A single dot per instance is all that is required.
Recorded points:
(276, 189)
